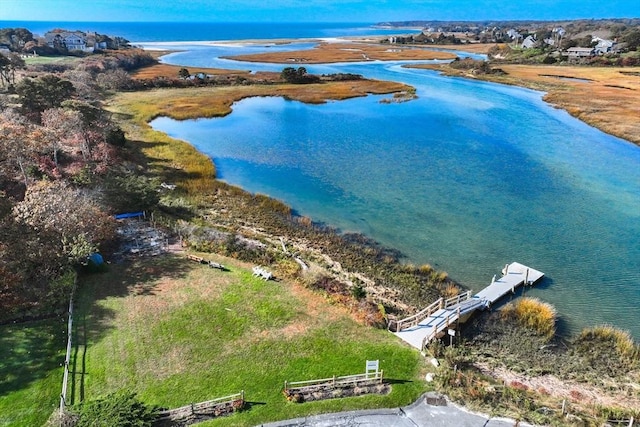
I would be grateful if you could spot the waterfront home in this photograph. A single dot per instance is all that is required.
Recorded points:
(580, 52)
(603, 45)
(71, 40)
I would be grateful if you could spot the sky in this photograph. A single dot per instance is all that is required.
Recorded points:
(313, 10)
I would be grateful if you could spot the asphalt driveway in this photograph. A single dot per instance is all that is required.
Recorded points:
(429, 410)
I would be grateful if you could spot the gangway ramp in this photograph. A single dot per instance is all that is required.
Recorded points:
(418, 330)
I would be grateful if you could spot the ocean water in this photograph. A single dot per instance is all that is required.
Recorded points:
(141, 32)
(468, 177)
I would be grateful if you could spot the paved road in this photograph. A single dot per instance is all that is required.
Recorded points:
(429, 410)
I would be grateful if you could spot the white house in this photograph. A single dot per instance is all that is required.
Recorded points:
(528, 42)
(71, 40)
(513, 34)
(603, 45)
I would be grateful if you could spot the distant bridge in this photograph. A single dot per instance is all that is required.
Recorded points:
(433, 321)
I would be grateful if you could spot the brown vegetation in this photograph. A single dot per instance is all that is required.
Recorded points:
(533, 314)
(215, 102)
(346, 52)
(171, 71)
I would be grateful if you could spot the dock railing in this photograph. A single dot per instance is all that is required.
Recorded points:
(439, 304)
(411, 321)
(452, 317)
(457, 299)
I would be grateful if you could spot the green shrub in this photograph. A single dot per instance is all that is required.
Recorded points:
(358, 292)
(121, 409)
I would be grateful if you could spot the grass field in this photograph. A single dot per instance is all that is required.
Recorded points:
(60, 60)
(31, 355)
(177, 332)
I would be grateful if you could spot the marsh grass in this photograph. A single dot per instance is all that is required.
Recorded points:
(338, 52)
(533, 314)
(612, 337)
(179, 162)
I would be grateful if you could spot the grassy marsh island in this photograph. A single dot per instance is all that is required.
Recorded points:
(345, 52)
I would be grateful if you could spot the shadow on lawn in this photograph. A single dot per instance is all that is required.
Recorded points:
(29, 352)
(92, 320)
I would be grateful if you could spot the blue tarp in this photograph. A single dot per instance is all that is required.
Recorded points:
(128, 215)
(96, 258)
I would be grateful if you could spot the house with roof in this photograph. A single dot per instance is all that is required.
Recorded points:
(529, 42)
(71, 40)
(603, 46)
(514, 34)
(580, 52)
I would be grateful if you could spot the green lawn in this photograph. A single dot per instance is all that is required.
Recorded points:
(61, 60)
(31, 355)
(177, 332)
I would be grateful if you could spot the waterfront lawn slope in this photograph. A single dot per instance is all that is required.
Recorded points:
(177, 332)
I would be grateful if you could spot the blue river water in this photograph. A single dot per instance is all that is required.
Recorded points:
(467, 177)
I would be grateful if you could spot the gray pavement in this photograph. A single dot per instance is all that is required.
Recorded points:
(430, 410)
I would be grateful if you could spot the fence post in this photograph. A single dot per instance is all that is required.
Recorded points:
(334, 380)
(285, 385)
(631, 422)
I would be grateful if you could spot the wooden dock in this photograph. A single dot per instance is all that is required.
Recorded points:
(434, 321)
(513, 276)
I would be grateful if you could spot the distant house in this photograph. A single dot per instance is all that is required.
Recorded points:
(603, 45)
(513, 34)
(580, 52)
(71, 40)
(529, 42)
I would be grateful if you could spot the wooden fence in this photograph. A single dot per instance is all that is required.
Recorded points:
(67, 358)
(349, 380)
(211, 408)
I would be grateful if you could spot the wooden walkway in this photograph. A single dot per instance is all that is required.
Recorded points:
(419, 329)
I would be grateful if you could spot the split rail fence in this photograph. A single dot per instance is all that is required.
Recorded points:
(232, 402)
(349, 380)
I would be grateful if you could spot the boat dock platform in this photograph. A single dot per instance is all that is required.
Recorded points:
(513, 275)
(435, 320)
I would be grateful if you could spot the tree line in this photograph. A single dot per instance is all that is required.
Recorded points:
(64, 171)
